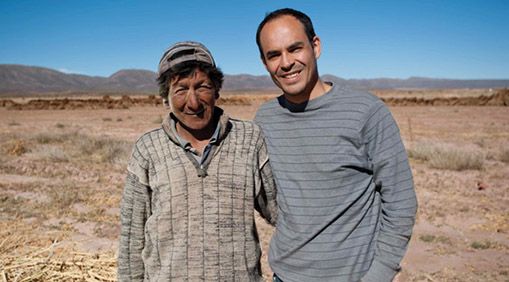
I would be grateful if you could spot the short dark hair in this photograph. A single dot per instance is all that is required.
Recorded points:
(300, 16)
(185, 70)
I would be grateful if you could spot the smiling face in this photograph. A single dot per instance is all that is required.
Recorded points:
(290, 58)
(192, 101)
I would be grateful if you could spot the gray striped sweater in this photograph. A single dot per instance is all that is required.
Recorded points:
(183, 222)
(345, 192)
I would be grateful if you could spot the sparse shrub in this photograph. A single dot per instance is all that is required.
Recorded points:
(115, 152)
(14, 123)
(10, 205)
(481, 143)
(234, 100)
(64, 197)
(59, 125)
(103, 150)
(504, 155)
(457, 160)
(119, 119)
(107, 119)
(490, 155)
(44, 138)
(427, 238)
(435, 239)
(422, 151)
(158, 120)
(50, 152)
(69, 146)
(16, 148)
(464, 209)
(51, 138)
(443, 156)
(481, 245)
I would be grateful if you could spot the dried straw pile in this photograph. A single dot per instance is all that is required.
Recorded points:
(22, 260)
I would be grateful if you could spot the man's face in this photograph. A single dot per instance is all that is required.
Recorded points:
(290, 57)
(193, 99)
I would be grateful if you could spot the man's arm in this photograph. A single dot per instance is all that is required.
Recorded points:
(265, 197)
(135, 208)
(393, 178)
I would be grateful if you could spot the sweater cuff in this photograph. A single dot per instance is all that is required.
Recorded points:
(380, 272)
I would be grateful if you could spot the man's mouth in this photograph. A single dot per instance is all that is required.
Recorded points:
(195, 113)
(291, 76)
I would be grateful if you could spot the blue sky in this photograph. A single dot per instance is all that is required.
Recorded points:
(360, 39)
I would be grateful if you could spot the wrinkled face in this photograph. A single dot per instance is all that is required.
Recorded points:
(290, 57)
(193, 99)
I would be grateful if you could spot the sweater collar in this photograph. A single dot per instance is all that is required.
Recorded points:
(306, 105)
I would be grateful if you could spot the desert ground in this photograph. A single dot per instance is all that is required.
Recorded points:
(62, 171)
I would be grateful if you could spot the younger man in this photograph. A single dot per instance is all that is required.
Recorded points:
(345, 192)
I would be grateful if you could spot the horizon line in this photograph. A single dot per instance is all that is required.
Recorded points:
(66, 71)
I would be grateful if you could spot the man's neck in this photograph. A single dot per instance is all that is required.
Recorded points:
(319, 89)
(198, 138)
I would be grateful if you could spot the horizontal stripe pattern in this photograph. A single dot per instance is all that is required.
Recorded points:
(338, 163)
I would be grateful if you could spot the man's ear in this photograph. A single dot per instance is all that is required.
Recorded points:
(216, 95)
(166, 103)
(317, 46)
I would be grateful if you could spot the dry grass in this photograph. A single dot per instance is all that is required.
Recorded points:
(102, 149)
(64, 196)
(504, 155)
(158, 120)
(234, 100)
(15, 147)
(59, 197)
(428, 238)
(446, 156)
(482, 245)
(27, 258)
(50, 152)
(64, 147)
(39, 215)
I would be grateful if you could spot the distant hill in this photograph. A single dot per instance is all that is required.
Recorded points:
(131, 80)
(248, 82)
(419, 83)
(27, 80)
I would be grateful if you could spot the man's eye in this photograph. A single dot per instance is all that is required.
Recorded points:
(295, 49)
(271, 56)
(205, 86)
(180, 91)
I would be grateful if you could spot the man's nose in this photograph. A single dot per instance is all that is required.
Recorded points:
(192, 100)
(286, 61)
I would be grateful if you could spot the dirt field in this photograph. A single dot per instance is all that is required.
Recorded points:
(62, 173)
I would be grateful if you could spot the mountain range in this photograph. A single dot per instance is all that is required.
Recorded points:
(26, 80)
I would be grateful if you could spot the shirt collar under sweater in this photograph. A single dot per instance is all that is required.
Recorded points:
(186, 144)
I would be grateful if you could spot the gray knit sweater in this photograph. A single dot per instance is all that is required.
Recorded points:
(345, 192)
(180, 221)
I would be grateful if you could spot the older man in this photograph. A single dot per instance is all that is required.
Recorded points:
(192, 184)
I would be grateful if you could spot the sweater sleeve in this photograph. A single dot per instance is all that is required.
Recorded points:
(134, 210)
(393, 179)
(265, 197)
